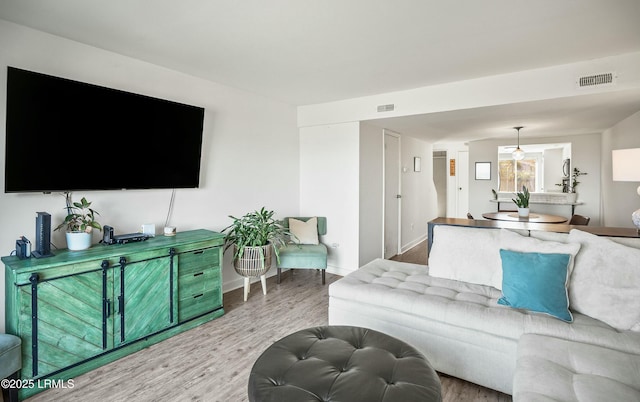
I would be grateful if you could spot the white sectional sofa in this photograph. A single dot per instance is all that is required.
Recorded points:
(581, 343)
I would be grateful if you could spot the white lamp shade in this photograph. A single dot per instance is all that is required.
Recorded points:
(626, 164)
(518, 154)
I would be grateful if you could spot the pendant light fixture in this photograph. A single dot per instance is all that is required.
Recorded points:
(518, 153)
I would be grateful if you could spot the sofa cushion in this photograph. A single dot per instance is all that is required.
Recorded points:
(312, 256)
(304, 232)
(553, 236)
(536, 282)
(552, 369)
(407, 292)
(466, 254)
(510, 240)
(605, 283)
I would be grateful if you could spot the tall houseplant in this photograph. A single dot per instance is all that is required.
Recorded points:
(522, 201)
(79, 223)
(254, 238)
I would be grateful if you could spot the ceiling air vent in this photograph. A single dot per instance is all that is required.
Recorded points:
(596, 79)
(386, 108)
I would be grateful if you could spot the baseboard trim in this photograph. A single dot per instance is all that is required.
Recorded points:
(414, 243)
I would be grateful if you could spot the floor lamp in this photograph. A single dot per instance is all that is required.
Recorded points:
(626, 167)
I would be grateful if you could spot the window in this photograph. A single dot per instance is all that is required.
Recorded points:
(512, 174)
(541, 170)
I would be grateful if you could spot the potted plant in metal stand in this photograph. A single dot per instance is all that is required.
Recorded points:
(254, 237)
(79, 222)
(522, 201)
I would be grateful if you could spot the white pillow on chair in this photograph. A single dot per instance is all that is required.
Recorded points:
(304, 232)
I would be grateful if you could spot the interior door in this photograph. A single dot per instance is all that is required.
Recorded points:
(392, 195)
(462, 175)
(440, 175)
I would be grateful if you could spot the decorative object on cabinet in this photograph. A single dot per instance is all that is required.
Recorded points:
(254, 237)
(79, 222)
(79, 311)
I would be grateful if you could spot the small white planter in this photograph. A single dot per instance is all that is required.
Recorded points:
(78, 240)
(523, 212)
(572, 197)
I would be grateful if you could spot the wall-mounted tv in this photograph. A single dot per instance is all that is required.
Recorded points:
(65, 135)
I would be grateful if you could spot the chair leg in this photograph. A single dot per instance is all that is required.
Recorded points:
(323, 271)
(278, 280)
(247, 285)
(263, 279)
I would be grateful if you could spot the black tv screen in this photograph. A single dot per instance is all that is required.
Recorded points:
(65, 135)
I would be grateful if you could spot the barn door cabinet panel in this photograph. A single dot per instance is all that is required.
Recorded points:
(79, 310)
(143, 297)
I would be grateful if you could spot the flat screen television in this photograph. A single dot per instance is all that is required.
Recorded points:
(64, 135)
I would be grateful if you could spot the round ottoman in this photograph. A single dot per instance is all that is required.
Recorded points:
(342, 363)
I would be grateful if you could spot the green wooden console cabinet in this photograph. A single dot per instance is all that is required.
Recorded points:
(79, 310)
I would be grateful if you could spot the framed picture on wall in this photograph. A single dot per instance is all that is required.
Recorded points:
(483, 170)
(417, 164)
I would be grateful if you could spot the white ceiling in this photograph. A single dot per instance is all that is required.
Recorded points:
(304, 51)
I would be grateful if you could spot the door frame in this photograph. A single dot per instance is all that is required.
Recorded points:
(384, 190)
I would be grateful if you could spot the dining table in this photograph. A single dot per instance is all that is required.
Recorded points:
(533, 217)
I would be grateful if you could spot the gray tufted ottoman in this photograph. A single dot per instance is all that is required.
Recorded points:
(342, 363)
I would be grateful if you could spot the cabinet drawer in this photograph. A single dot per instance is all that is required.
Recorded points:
(194, 260)
(198, 281)
(199, 303)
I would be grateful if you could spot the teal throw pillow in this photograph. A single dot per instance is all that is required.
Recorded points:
(536, 282)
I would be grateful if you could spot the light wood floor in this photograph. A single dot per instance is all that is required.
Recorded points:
(212, 362)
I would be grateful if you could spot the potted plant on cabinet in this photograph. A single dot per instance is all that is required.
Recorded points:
(254, 237)
(79, 222)
(522, 201)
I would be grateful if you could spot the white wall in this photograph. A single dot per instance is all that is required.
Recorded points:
(329, 183)
(250, 147)
(619, 199)
(371, 193)
(553, 170)
(419, 197)
(585, 150)
(341, 175)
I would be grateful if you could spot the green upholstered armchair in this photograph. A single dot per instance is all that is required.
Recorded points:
(10, 363)
(298, 255)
